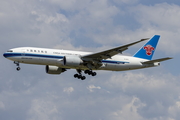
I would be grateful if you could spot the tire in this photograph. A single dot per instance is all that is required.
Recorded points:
(75, 75)
(18, 68)
(79, 76)
(86, 71)
(83, 78)
(94, 74)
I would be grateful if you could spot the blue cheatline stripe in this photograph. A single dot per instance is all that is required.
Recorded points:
(30, 55)
(45, 56)
(113, 62)
(52, 56)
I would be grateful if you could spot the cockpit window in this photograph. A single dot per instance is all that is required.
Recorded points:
(9, 51)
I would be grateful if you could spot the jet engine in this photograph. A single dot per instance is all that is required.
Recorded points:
(72, 61)
(54, 69)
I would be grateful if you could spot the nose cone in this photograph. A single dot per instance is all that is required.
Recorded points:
(5, 55)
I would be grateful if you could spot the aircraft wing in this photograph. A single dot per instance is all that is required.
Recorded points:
(156, 60)
(111, 52)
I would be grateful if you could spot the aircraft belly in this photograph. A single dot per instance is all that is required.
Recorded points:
(112, 67)
(15, 58)
(38, 60)
(121, 67)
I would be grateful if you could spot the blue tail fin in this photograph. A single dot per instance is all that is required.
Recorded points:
(147, 51)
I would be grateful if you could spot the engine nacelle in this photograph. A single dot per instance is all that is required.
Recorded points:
(72, 61)
(54, 69)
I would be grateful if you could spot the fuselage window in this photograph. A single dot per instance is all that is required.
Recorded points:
(31, 50)
(34, 50)
(42, 52)
(27, 50)
(45, 51)
(38, 50)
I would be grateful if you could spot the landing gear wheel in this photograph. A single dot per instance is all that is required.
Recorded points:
(89, 72)
(76, 75)
(79, 76)
(18, 68)
(86, 71)
(93, 74)
(17, 64)
(83, 78)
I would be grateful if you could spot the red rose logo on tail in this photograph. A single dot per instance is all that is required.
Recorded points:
(149, 49)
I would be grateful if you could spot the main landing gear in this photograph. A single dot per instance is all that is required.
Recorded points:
(89, 72)
(80, 76)
(17, 64)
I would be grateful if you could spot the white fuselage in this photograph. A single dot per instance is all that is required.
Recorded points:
(42, 56)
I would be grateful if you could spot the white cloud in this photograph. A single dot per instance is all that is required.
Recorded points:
(41, 109)
(160, 19)
(164, 16)
(2, 106)
(174, 109)
(68, 90)
(140, 80)
(35, 22)
(148, 94)
(50, 19)
(129, 111)
(155, 91)
(92, 87)
(70, 5)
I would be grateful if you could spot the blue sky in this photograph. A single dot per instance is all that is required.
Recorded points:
(90, 25)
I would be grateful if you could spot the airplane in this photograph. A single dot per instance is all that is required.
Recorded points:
(57, 61)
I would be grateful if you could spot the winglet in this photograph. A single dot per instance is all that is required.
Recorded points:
(147, 51)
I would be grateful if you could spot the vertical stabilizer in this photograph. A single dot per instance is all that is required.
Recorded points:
(147, 51)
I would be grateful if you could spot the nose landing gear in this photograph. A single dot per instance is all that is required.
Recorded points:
(17, 64)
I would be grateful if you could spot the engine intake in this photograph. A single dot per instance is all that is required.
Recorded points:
(54, 69)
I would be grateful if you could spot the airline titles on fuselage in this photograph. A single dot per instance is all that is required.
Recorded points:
(56, 52)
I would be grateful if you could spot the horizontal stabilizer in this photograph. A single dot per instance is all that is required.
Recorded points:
(156, 60)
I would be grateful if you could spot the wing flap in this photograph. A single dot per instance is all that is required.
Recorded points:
(157, 60)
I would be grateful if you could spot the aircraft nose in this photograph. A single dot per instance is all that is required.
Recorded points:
(5, 55)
